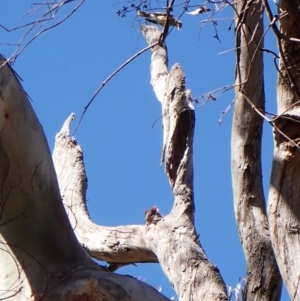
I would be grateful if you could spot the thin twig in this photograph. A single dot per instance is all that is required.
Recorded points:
(280, 36)
(270, 121)
(34, 24)
(108, 79)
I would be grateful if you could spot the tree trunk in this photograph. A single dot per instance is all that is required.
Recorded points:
(40, 257)
(284, 194)
(263, 278)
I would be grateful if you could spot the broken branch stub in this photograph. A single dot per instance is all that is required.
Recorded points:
(115, 245)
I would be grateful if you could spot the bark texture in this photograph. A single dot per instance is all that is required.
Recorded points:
(40, 257)
(174, 239)
(284, 194)
(115, 245)
(263, 278)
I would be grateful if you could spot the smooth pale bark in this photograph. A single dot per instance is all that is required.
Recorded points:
(284, 194)
(40, 257)
(115, 245)
(263, 278)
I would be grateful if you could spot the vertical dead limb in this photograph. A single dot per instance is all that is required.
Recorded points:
(263, 278)
(174, 239)
(284, 194)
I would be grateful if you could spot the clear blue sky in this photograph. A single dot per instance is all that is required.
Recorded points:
(64, 67)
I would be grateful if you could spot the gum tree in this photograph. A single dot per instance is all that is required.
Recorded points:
(47, 236)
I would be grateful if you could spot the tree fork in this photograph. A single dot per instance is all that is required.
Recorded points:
(40, 257)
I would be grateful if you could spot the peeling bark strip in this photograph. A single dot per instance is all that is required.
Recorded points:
(40, 257)
(263, 278)
(174, 239)
(284, 194)
(181, 121)
(177, 108)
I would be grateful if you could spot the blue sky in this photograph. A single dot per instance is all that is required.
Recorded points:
(64, 67)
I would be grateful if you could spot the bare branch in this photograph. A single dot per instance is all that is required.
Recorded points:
(108, 79)
(51, 9)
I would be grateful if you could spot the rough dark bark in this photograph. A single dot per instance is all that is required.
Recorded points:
(263, 278)
(284, 195)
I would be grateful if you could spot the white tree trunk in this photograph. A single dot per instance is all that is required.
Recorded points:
(40, 257)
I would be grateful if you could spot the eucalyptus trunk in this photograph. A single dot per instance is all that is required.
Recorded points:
(40, 256)
(263, 281)
(284, 194)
